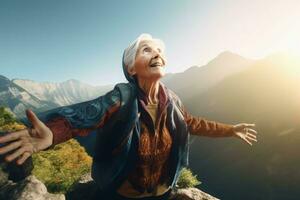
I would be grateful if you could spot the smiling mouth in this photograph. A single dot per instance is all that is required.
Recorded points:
(157, 64)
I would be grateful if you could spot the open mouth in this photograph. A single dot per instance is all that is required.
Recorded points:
(157, 64)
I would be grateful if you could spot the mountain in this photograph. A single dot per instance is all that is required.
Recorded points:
(20, 94)
(202, 78)
(65, 93)
(266, 93)
(18, 99)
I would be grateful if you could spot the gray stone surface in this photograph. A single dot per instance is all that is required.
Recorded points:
(85, 189)
(190, 194)
(28, 189)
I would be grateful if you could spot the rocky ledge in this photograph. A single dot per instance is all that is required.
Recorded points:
(31, 188)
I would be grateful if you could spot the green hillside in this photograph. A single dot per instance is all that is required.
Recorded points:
(59, 167)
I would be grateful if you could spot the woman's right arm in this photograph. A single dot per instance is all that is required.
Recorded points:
(82, 118)
(58, 125)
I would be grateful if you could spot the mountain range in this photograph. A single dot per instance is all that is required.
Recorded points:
(64, 93)
(18, 99)
(202, 78)
(21, 94)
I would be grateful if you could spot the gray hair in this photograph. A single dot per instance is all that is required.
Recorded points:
(131, 50)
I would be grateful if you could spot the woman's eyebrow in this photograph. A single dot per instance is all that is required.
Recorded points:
(144, 45)
(141, 47)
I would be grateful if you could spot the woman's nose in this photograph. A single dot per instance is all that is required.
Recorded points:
(159, 55)
(156, 54)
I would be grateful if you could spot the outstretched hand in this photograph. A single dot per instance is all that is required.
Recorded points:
(244, 132)
(22, 144)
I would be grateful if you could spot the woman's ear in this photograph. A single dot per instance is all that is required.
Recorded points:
(131, 71)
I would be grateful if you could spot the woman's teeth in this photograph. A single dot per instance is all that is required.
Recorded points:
(156, 65)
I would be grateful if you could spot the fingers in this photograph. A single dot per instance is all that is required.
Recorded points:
(248, 142)
(32, 118)
(249, 138)
(14, 155)
(251, 135)
(246, 125)
(244, 132)
(252, 131)
(10, 147)
(252, 138)
(22, 159)
(13, 136)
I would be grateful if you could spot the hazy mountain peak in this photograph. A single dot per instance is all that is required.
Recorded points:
(4, 80)
(195, 67)
(22, 79)
(227, 53)
(204, 77)
(3, 77)
(228, 57)
(72, 81)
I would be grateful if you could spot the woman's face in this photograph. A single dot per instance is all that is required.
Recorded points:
(149, 61)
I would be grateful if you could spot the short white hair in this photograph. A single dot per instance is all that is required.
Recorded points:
(131, 50)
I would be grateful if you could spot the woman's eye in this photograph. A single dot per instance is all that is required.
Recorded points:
(147, 49)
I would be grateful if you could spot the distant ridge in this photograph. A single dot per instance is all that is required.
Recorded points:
(204, 77)
(64, 93)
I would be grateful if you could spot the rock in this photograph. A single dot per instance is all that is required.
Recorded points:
(20, 172)
(27, 189)
(14, 172)
(190, 194)
(3, 174)
(86, 189)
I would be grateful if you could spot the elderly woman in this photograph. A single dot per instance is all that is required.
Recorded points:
(142, 129)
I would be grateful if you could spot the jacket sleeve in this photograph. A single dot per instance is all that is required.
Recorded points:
(201, 126)
(80, 119)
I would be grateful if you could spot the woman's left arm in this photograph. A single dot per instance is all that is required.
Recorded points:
(202, 127)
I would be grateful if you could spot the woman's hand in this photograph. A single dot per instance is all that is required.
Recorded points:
(244, 132)
(22, 144)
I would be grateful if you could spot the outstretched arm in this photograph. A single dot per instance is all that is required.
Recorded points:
(58, 125)
(203, 127)
(80, 119)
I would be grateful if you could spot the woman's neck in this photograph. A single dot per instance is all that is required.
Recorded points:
(150, 88)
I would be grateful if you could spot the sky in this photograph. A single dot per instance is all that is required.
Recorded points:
(57, 40)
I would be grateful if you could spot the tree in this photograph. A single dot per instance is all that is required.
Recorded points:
(61, 166)
(5, 116)
(8, 121)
